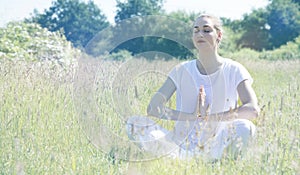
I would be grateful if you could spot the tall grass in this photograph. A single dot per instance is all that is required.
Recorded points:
(41, 132)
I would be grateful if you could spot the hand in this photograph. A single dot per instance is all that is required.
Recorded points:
(233, 113)
(156, 110)
(156, 107)
(201, 111)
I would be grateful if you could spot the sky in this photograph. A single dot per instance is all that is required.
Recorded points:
(12, 10)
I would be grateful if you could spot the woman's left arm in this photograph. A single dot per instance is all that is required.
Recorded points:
(249, 108)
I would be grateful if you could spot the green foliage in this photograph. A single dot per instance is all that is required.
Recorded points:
(255, 32)
(243, 54)
(289, 51)
(157, 33)
(157, 44)
(262, 29)
(131, 8)
(79, 21)
(140, 44)
(229, 41)
(268, 28)
(296, 1)
(121, 55)
(284, 21)
(29, 41)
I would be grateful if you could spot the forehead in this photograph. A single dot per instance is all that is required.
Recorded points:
(203, 21)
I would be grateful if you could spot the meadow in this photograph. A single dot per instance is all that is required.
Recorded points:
(42, 132)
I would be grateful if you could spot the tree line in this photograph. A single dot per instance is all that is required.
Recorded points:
(263, 29)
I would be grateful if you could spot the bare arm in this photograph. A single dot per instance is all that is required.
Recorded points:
(249, 108)
(157, 106)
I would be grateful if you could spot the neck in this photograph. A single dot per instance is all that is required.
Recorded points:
(209, 62)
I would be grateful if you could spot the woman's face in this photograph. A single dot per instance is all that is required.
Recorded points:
(205, 36)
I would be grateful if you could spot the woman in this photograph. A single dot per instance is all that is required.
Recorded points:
(209, 121)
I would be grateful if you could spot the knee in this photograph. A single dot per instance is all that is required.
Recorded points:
(138, 123)
(244, 129)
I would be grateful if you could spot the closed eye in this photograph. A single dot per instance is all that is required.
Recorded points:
(196, 29)
(207, 29)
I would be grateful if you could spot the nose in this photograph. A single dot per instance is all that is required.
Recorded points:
(198, 34)
(198, 37)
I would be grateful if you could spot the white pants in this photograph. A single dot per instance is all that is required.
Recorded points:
(230, 137)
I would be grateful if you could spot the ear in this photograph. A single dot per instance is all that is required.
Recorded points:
(220, 35)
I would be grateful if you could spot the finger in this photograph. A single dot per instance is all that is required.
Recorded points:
(202, 95)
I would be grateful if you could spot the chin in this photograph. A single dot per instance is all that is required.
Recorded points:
(203, 46)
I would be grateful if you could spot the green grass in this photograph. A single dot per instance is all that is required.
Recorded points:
(41, 131)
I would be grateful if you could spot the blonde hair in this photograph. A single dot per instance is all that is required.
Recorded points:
(216, 21)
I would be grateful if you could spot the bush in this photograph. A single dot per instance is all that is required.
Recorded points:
(289, 51)
(28, 41)
(121, 55)
(243, 54)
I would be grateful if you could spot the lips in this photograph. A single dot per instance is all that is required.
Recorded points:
(200, 41)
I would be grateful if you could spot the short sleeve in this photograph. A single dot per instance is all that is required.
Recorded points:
(174, 75)
(241, 74)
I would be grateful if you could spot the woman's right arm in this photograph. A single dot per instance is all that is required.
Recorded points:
(157, 106)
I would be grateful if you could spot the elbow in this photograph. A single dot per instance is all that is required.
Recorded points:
(256, 111)
(249, 111)
(149, 110)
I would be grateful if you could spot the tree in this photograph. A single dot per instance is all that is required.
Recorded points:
(268, 28)
(296, 1)
(78, 20)
(284, 21)
(255, 30)
(131, 8)
(164, 29)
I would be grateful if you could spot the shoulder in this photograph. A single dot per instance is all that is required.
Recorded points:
(232, 65)
(230, 62)
(182, 68)
(237, 70)
(187, 64)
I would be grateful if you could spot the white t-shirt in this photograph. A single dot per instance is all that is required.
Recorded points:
(220, 88)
